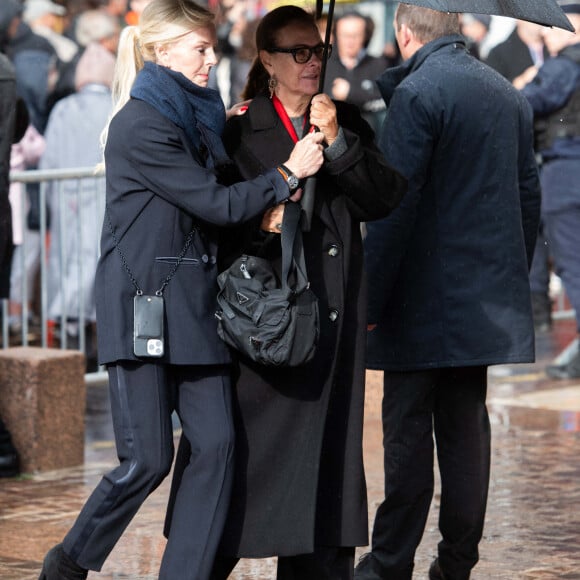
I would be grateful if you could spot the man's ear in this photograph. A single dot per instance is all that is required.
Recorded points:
(405, 35)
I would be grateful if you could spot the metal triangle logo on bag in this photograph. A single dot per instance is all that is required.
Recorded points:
(242, 298)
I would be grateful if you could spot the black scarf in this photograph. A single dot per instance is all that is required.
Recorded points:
(199, 111)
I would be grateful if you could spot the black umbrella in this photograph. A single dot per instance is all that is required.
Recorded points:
(545, 12)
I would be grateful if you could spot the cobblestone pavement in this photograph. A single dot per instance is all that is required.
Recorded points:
(533, 521)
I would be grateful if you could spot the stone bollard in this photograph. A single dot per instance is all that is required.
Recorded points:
(42, 402)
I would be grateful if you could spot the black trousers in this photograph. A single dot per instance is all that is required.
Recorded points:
(325, 563)
(143, 397)
(451, 404)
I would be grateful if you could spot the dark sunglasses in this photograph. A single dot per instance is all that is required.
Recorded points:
(302, 54)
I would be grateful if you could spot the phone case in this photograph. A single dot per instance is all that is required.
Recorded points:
(148, 326)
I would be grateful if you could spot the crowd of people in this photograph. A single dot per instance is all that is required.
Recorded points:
(208, 119)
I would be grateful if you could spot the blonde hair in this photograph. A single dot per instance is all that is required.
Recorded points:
(161, 22)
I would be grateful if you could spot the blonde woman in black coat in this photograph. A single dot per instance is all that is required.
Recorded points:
(299, 487)
(159, 239)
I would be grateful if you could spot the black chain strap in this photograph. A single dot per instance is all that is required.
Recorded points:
(139, 291)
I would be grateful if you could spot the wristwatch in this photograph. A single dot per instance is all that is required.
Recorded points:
(292, 181)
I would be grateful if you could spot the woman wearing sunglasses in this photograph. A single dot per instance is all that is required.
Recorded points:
(299, 488)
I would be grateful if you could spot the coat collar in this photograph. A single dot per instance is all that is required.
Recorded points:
(268, 137)
(261, 114)
(392, 77)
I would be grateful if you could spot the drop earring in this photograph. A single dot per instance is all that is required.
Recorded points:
(272, 84)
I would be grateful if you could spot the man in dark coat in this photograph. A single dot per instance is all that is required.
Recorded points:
(449, 289)
(555, 98)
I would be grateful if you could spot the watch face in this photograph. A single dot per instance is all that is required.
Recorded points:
(293, 182)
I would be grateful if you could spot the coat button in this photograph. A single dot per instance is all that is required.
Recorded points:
(333, 250)
(205, 258)
(332, 315)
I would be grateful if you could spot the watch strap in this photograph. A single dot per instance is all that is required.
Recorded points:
(284, 171)
(288, 176)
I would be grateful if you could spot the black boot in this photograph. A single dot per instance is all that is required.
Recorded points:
(58, 566)
(368, 568)
(571, 370)
(435, 572)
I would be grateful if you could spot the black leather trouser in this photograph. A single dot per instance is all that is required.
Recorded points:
(143, 397)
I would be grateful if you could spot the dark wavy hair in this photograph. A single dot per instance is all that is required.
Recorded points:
(266, 37)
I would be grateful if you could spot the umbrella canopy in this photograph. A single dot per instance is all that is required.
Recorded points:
(545, 12)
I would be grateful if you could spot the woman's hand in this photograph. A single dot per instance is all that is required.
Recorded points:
(306, 157)
(238, 109)
(323, 116)
(272, 220)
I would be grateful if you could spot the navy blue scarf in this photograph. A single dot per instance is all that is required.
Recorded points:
(199, 111)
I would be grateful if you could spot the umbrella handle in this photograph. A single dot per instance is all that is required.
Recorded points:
(307, 203)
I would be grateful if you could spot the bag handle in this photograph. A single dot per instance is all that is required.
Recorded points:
(293, 249)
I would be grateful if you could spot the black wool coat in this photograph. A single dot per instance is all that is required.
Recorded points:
(158, 190)
(299, 478)
(449, 267)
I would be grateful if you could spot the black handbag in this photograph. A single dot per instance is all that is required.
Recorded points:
(273, 322)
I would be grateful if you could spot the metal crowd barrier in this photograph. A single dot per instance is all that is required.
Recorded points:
(72, 179)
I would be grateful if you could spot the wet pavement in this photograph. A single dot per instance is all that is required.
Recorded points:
(533, 521)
